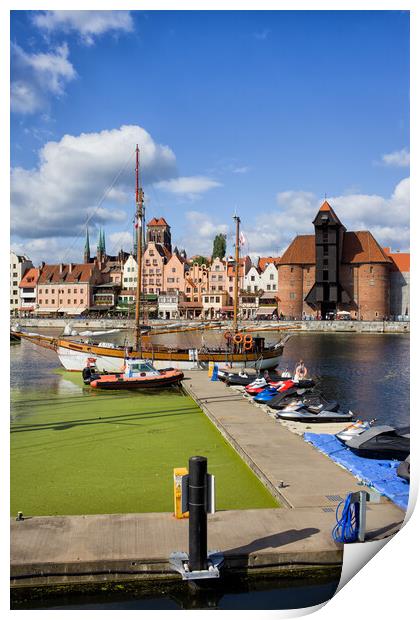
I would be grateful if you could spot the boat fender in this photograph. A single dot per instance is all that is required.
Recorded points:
(227, 335)
(237, 339)
(248, 342)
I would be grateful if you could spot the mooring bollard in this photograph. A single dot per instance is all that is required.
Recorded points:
(197, 501)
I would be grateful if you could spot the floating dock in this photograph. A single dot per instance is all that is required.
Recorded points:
(96, 548)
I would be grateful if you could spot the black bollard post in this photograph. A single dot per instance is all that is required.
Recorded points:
(198, 514)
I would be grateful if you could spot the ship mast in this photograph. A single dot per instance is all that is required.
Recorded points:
(236, 287)
(139, 227)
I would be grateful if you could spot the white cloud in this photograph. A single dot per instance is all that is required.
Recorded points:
(119, 240)
(189, 187)
(241, 170)
(72, 175)
(35, 76)
(88, 24)
(198, 232)
(388, 218)
(399, 159)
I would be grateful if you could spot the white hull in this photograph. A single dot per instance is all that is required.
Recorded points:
(77, 360)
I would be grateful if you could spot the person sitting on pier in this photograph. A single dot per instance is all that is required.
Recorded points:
(300, 371)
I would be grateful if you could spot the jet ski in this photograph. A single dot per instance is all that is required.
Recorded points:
(403, 470)
(281, 399)
(354, 430)
(231, 378)
(382, 442)
(324, 412)
(270, 391)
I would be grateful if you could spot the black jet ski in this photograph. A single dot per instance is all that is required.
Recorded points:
(285, 398)
(382, 442)
(403, 470)
(325, 411)
(243, 378)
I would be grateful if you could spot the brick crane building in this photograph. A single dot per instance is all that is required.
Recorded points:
(334, 270)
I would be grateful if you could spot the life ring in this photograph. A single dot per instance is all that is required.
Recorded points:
(248, 343)
(227, 335)
(237, 339)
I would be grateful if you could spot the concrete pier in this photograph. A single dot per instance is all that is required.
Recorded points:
(96, 548)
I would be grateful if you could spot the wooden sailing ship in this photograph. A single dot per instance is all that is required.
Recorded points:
(236, 348)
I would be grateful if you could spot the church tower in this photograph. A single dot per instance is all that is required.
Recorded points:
(100, 248)
(159, 231)
(86, 258)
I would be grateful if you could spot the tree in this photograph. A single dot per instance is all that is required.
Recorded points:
(201, 260)
(219, 246)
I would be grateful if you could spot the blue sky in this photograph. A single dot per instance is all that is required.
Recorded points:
(264, 112)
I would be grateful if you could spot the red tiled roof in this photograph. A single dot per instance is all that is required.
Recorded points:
(265, 260)
(30, 278)
(327, 207)
(401, 260)
(79, 273)
(358, 247)
(300, 251)
(158, 222)
(362, 247)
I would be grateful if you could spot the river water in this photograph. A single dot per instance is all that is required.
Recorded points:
(367, 373)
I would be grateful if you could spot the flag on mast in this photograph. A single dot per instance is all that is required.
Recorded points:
(241, 238)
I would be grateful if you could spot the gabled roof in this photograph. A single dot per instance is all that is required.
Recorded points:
(400, 260)
(300, 252)
(30, 278)
(358, 247)
(327, 208)
(264, 260)
(50, 274)
(158, 222)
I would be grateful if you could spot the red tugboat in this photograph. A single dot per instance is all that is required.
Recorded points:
(137, 374)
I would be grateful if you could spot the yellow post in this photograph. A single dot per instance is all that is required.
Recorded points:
(211, 367)
(178, 472)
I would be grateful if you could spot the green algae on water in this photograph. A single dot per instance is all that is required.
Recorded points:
(75, 450)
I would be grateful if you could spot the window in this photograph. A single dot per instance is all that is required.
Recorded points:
(40, 291)
(75, 291)
(46, 301)
(220, 278)
(325, 275)
(81, 290)
(75, 301)
(325, 262)
(15, 283)
(291, 269)
(217, 300)
(252, 278)
(325, 250)
(68, 302)
(271, 276)
(220, 288)
(173, 269)
(371, 271)
(81, 302)
(268, 287)
(15, 274)
(274, 287)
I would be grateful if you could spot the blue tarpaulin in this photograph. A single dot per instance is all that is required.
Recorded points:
(379, 474)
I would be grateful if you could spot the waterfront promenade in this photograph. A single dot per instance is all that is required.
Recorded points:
(78, 549)
(82, 323)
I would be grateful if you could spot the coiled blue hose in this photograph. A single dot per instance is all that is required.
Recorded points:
(346, 529)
